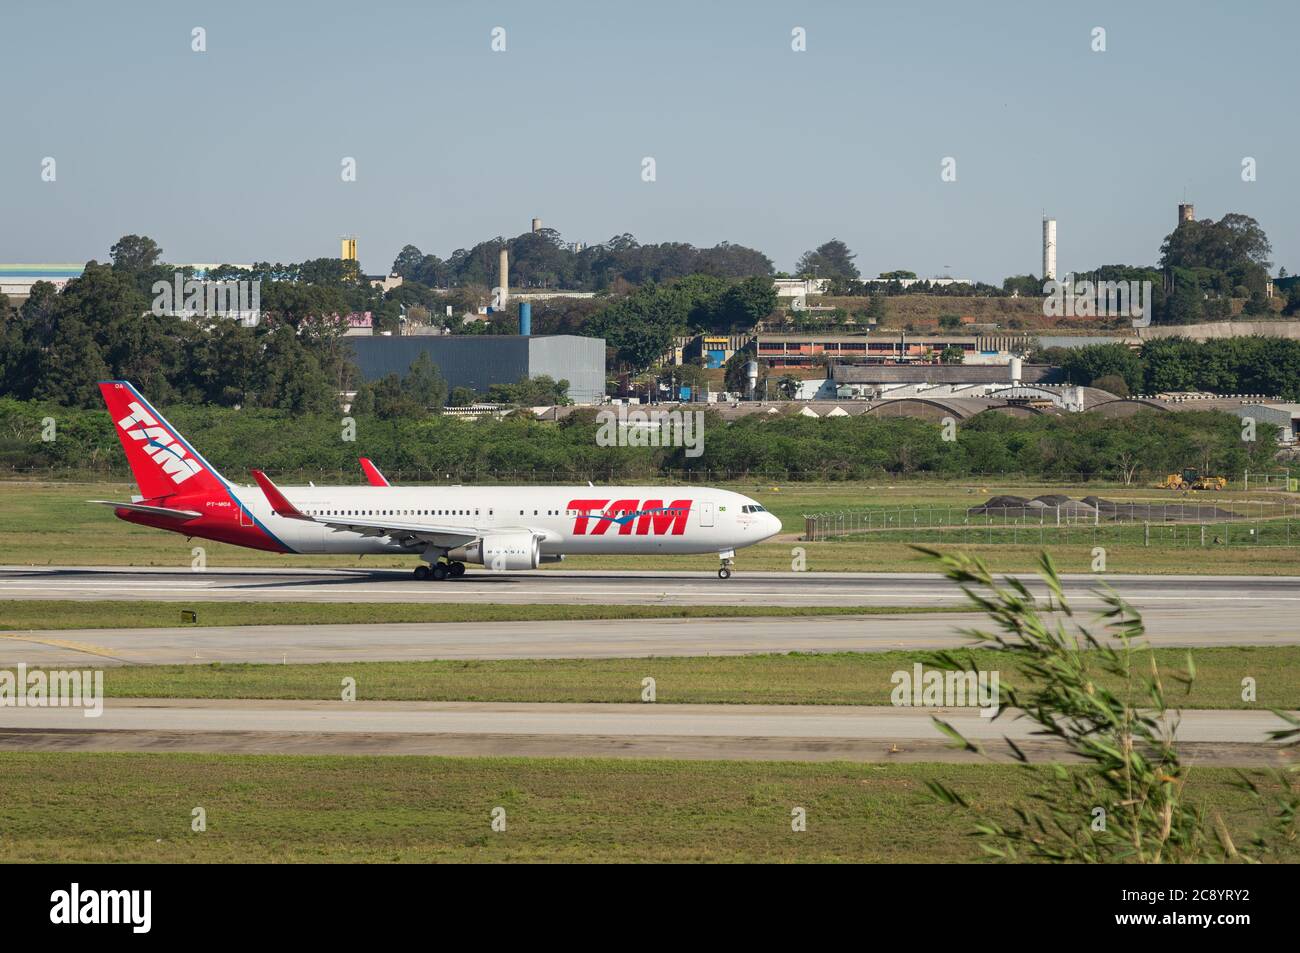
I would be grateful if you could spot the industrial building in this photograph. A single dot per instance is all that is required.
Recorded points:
(478, 361)
(801, 350)
(16, 280)
(1285, 415)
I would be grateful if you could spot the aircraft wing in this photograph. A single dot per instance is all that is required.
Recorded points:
(151, 510)
(441, 535)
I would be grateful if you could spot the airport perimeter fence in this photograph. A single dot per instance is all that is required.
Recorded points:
(1122, 522)
(114, 472)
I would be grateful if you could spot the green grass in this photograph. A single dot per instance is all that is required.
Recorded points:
(841, 678)
(28, 614)
(50, 524)
(137, 808)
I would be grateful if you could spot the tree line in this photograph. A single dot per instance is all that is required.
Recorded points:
(786, 447)
(1240, 365)
(542, 259)
(57, 346)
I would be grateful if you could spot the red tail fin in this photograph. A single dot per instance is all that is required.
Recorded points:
(162, 461)
(373, 476)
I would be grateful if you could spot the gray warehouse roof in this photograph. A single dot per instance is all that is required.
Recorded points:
(478, 361)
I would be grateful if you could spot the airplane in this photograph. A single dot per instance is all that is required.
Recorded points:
(503, 528)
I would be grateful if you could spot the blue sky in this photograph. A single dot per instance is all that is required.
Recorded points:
(234, 154)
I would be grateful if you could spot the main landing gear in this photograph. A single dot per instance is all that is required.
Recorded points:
(728, 560)
(439, 571)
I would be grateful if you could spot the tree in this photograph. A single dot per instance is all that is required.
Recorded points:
(1105, 701)
(392, 401)
(744, 304)
(363, 401)
(952, 354)
(67, 371)
(424, 384)
(539, 391)
(1292, 300)
(1112, 384)
(135, 253)
(949, 322)
(1086, 365)
(734, 376)
(831, 259)
(1026, 286)
(876, 308)
(407, 261)
(1233, 242)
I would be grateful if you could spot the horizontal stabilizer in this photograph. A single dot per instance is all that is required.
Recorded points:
(280, 505)
(151, 510)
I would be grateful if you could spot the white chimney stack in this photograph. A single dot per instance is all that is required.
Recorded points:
(1049, 249)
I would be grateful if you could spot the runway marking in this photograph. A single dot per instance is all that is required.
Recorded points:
(84, 647)
(360, 594)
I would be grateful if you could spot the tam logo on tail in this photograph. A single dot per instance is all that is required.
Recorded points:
(163, 463)
(159, 444)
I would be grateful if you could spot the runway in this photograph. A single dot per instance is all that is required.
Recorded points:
(744, 732)
(581, 639)
(1178, 610)
(1235, 594)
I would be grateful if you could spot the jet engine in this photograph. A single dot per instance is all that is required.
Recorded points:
(505, 552)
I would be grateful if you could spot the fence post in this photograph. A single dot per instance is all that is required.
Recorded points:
(1146, 534)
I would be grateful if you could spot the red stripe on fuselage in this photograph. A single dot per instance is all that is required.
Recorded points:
(219, 522)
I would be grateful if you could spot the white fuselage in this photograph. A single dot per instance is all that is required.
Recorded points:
(569, 520)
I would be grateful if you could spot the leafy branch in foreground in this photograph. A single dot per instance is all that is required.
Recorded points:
(1104, 701)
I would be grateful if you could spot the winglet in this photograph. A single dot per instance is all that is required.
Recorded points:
(373, 476)
(279, 505)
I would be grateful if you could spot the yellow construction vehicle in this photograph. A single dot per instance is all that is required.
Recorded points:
(1191, 479)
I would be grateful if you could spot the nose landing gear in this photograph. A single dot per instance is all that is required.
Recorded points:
(728, 560)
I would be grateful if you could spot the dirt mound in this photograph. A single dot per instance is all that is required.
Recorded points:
(1046, 507)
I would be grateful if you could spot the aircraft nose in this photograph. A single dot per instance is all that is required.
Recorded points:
(773, 525)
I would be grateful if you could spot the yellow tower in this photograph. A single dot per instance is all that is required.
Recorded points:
(349, 248)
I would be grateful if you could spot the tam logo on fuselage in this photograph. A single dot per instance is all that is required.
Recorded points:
(650, 518)
(166, 452)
